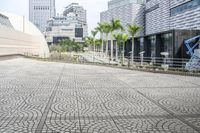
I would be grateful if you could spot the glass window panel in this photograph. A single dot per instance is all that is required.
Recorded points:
(185, 7)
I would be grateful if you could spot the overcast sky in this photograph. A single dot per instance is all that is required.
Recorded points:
(93, 7)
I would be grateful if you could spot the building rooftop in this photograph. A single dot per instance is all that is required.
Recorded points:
(72, 4)
(4, 20)
(117, 3)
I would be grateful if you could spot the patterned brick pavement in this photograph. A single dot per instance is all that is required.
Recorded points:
(41, 97)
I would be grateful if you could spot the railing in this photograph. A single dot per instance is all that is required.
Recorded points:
(155, 64)
(159, 61)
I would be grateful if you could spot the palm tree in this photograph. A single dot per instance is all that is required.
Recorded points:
(98, 43)
(124, 39)
(94, 33)
(133, 29)
(115, 25)
(89, 41)
(99, 28)
(106, 30)
(118, 38)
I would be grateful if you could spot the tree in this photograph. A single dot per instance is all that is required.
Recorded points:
(106, 30)
(115, 25)
(118, 38)
(124, 39)
(94, 33)
(55, 48)
(98, 43)
(100, 29)
(70, 45)
(66, 45)
(133, 29)
(89, 41)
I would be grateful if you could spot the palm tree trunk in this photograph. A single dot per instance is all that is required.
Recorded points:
(94, 52)
(94, 47)
(111, 46)
(123, 53)
(132, 55)
(102, 46)
(106, 45)
(116, 54)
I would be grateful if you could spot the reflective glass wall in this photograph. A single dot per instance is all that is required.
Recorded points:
(152, 44)
(167, 42)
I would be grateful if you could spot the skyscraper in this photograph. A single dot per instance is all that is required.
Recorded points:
(166, 24)
(40, 11)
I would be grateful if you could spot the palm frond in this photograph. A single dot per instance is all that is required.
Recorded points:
(133, 29)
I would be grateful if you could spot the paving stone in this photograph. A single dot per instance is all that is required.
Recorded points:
(44, 97)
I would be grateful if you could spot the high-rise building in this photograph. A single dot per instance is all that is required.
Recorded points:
(71, 25)
(127, 11)
(40, 11)
(166, 24)
(165, 15)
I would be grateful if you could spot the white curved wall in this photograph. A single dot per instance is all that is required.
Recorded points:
(24, 39)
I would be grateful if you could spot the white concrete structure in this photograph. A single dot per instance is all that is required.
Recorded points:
(24, 38)
(5, 21)
(40, 11)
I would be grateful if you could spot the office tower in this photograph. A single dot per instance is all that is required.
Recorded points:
(40, 11)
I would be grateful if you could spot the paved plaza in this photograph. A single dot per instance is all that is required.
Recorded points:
(43, 97)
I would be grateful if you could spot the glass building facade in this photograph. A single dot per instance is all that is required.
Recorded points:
(169, 41)
(166, 24)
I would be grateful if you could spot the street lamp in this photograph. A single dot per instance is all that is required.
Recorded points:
(164, 65)
(142, 57)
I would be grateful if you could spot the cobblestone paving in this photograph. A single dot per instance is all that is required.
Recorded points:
(41, 97)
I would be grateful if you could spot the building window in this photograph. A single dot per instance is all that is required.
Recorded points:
(152, 43)
(185, 7)
(141, 44)
(167, 43)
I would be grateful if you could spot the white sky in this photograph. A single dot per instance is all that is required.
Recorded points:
(93, 7)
